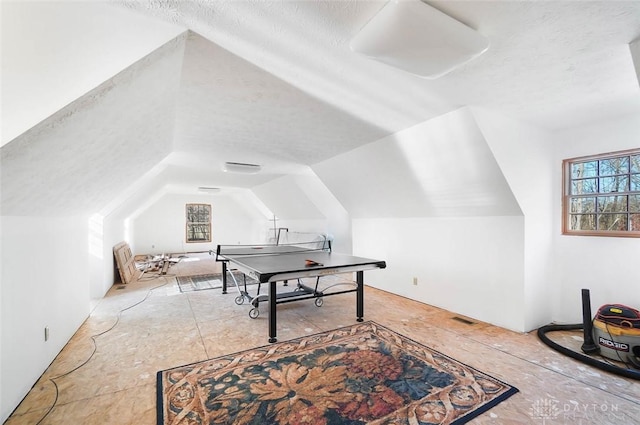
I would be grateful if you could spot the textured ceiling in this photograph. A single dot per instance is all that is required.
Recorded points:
(228, 104)
(274, 82)
(556, 64)
(85, 155)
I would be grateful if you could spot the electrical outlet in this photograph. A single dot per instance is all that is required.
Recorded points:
(46, 333)
(415, 280)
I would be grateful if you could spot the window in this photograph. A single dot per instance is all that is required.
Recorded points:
(198, 223)
(602, 195)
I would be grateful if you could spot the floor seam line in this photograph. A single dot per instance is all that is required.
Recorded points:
(552, 370)
(193, 314)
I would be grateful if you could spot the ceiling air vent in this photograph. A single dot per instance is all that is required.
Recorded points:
(241, 167)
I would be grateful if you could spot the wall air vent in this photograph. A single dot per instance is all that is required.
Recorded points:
(241, 167)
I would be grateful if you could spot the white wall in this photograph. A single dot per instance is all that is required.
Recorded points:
(302, 203)
(301, 230)
(287, 199)
(433, 201)
(44, 284)
(524, 154)
(338, 220)
(98, 261)
(57, 260)
(104, 234)
(608, 267)
(161, 227)
(471, 266)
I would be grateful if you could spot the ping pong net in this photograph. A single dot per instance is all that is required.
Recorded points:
(229, 251)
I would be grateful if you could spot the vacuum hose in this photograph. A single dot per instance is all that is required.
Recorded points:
(608, 367)
(588, 346)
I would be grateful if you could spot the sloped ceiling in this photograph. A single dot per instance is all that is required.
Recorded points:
(288, 200)
(558, 63)
(440, 168)
(227, 104)
(54, 52)
(275, 83)
(83, 156)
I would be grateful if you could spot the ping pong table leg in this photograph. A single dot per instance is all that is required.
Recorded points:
(224, 277)
(272, 312)
(360, 296)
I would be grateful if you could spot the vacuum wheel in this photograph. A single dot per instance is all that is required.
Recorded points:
(239, 300)
(254, 312)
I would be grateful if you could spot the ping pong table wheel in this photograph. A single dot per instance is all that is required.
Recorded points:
(319, 302)
(254, 312)
(239, 300)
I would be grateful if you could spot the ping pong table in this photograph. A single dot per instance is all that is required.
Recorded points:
(282, 263)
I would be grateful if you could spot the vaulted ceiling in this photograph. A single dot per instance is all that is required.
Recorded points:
(557, 63)
(171, 89)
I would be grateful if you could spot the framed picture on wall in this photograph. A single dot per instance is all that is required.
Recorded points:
(198, 223)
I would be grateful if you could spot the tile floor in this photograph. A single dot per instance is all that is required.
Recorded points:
(147, 326)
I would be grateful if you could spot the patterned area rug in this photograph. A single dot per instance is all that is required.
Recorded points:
(362, 374)
(209, 281)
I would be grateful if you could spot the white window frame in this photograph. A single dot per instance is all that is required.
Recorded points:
(591, 190)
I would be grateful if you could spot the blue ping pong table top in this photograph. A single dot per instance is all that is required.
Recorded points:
(264, 263)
